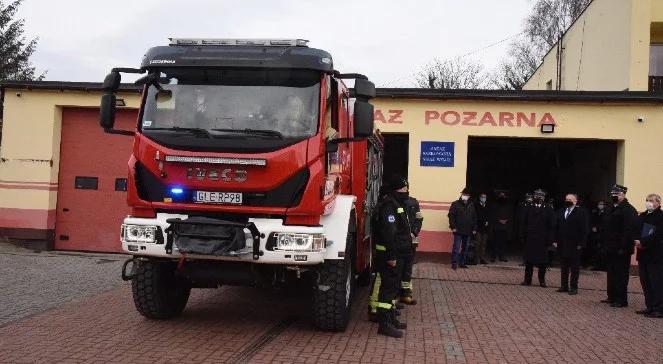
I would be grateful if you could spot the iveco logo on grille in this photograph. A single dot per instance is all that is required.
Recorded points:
(162, 61)
(224, 174)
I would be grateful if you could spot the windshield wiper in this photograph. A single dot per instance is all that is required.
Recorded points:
(268, 133)
(196, 131)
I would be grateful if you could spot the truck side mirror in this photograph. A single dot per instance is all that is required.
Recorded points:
(363, 119)
(364, 89)
(112, 81)
(107, 111)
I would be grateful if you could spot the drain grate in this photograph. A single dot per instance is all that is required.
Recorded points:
(263, 340)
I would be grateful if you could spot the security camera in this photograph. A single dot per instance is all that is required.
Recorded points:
(641, 118)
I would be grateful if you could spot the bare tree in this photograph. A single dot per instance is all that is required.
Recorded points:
(455, 73)
(543, 27)
(513, 72)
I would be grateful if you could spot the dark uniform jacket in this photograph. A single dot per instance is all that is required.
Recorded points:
(482, 217)
(392, 229)
(537, 231)
(462, 217)
(619, 226)
(501, 211)
(571, 232)
(414, 215)
(651, 250)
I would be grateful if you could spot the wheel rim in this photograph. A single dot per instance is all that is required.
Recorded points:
(348, 285)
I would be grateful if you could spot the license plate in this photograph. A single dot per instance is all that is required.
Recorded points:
(232, 198)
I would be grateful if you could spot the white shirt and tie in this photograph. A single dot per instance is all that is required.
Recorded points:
(568, 212)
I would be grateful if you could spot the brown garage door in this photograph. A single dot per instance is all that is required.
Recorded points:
(92, 181)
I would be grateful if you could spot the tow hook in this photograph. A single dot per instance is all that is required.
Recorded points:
(130, 276)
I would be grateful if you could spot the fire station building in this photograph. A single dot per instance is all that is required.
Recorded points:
(63, 181)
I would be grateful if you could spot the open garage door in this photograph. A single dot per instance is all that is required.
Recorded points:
(92, 181)
(559, 166)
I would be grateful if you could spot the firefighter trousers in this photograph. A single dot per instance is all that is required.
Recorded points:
(385, 287)
(406, 262)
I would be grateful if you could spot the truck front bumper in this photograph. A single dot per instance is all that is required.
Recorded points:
(157, 248)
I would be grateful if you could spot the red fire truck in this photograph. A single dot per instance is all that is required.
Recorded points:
(252, 164)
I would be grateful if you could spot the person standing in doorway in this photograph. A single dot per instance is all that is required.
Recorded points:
(499, 224)
(618, 239)
(596, 251)
(649, 249)
(482, 229)
(571, 231)
(463, 223)
(536, 231)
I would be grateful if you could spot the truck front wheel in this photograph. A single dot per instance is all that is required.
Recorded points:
(332, 293)
(158, 293)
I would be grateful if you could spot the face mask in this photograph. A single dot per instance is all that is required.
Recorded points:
(464, 197)
(568, 203)
(482, 199)
(649, 206)
(615, 199)
(401, 196)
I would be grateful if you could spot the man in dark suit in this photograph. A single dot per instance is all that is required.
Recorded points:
(571, 231)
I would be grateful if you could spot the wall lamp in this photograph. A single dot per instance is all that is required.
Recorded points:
(547, 128)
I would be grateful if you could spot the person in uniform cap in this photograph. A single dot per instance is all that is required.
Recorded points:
(571, 232)
(391, 236)
(463, 223)
(618, 238)
(416, 219)
(536, 231)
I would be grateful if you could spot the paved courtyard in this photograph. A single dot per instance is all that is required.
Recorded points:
(478, 315)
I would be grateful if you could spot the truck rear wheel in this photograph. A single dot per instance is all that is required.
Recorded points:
(333, 293)
(158, 293)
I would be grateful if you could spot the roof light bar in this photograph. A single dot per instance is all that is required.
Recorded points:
(238, 42)
(213, 160)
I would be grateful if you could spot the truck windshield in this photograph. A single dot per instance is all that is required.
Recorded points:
(232, 104)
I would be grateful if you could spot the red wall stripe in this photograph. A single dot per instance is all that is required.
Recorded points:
(27, 218)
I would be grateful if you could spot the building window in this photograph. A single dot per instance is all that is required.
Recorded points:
(87, 183)
(549, 85)
(656, 60)
(120, 184)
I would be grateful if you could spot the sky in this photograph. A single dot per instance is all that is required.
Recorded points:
(389, 41)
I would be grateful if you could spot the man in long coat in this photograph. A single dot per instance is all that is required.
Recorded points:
(536, 231)
(571, 231)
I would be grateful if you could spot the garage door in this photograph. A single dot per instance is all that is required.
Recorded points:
(92, 181)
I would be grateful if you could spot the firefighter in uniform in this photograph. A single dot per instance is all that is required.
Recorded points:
(416, 219)
(391, 237)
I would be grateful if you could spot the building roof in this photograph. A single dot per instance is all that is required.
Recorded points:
(64, 86)
(520, 95)
(404, 93)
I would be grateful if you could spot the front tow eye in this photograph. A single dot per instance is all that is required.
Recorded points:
(130, 276)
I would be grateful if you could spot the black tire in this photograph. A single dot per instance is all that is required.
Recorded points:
(158, 293)
(333, 291)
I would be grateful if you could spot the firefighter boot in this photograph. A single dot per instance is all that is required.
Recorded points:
(386, 328)
(408, 300)
(372, 316)
(397, 324)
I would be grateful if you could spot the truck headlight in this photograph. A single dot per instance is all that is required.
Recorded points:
(299, 241)
(139, 233)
